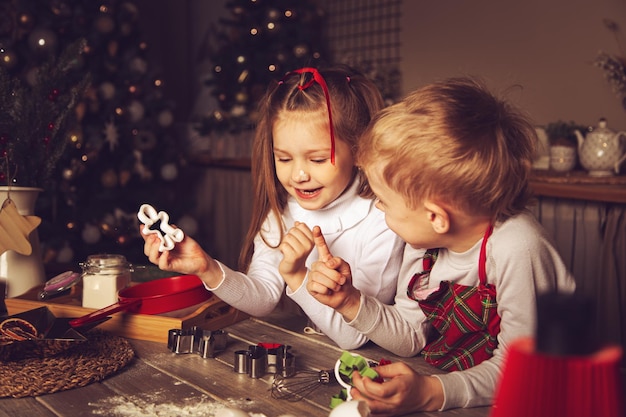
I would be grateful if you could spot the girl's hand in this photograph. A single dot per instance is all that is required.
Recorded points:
(330, 280)
(187, 257)
(295, 247)
(402, 392)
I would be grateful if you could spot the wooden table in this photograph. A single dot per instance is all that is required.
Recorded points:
(162, 383)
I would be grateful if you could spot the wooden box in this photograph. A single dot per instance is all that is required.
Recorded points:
(213, 314)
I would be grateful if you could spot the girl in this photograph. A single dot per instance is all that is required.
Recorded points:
(303, 176)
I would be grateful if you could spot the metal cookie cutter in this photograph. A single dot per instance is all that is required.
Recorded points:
(149, 216)
(258, 361)
(265, 357)
(279, 359)
(206, 343)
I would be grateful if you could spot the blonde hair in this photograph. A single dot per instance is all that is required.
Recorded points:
(354, 99)
(457, 144)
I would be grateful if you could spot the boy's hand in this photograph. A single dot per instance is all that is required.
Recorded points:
(295, 247)
(330, 280)
(402, 391)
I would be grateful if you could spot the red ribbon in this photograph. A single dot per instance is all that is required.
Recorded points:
(317, 77)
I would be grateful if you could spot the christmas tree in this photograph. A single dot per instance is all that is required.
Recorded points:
(36, 116)
(124, 151)
(260, 42)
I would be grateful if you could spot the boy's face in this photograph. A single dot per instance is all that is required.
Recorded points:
(412, 225)
(302, 152)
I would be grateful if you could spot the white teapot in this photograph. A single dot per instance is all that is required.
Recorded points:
(602, 151)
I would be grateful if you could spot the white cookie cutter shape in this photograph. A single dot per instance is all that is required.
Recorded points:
(149, 216)
(342, 379)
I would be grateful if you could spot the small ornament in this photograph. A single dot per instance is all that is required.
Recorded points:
(122, 240)
(243, 76)
(300, 50)
(109, 179)
(8, 58)
(15, 229)
(42, 41)
(110, 135)
(134, 89)
(273, 14)
(91, 234)
(107, 90)
(241, 97)
(54, 95)
(238, 110)
(68, 174)
(61, 8)
(104, 24)
(138, 66)
(169, 172)
(165, 118)
(136, 111)
(125, 176)
(144, 173)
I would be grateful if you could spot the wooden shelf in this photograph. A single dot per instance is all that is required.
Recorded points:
(603, 193)
(579, 186)
(575, 185)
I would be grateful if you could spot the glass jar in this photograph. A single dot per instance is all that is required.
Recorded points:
(103, 276)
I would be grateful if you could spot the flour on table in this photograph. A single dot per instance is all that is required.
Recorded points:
(120, 406)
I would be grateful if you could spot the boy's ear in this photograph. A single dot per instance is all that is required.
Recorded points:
(438, 217)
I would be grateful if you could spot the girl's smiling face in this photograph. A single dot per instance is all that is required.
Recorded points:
(302, 152)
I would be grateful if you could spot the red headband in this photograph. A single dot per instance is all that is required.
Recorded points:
(317, 77)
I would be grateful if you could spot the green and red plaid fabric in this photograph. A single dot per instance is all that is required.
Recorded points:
(465, 318)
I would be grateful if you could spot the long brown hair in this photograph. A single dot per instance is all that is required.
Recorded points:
(354, 99)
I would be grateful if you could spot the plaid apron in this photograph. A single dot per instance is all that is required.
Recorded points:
(465, 318)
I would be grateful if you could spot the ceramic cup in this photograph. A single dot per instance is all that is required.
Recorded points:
(562, 158)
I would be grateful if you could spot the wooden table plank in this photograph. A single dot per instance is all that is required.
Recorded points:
(12, 407)
(318, 352)
(216, 378)
(160, 382)
(76, 402)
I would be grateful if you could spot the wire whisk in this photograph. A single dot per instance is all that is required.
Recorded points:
(300, 385)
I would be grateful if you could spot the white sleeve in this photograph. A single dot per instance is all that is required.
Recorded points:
(400, 328)
(375, 261)
(327, 319)
(258, 292)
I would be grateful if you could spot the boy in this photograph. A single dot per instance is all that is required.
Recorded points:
(449, 165)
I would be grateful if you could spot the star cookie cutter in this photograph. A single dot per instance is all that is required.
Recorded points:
(149, 216)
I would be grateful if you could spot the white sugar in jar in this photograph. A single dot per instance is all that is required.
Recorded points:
(103, 276)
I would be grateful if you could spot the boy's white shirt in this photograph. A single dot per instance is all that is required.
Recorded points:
(355, 230)
(521, 263)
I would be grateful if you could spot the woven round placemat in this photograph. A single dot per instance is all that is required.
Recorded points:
(93, 360)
